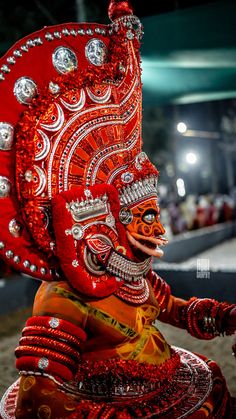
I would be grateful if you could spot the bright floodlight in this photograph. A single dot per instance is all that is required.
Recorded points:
(191, 158)
(180, 187)
(181, 127)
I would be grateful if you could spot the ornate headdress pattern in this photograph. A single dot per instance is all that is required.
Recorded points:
(70, 115)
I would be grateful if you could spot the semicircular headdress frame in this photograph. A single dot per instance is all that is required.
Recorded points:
(70, 115)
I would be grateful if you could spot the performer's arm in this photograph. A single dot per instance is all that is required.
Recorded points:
(203, 318)
(48, 356)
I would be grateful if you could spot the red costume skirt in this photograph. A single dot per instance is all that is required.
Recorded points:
(197, 390)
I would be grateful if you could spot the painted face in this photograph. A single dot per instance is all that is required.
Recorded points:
(145, 230)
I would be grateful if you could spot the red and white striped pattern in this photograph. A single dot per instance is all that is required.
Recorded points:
(8, 402)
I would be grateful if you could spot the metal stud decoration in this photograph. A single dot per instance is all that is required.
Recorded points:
(64, 60)
(96, 52)
(43, 363)
(77, 232)
(15, 228)
(25, 89)
(125, 216)
(5, 187)
(6, 136)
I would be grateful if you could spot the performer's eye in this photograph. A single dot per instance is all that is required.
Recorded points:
(149, 216)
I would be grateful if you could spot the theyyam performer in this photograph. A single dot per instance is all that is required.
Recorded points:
(79, 211)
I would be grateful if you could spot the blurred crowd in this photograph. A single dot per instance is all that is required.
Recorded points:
(194, 212)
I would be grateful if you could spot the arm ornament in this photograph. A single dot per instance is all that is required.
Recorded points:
(161, 291)
(206, 318)
(50, 346)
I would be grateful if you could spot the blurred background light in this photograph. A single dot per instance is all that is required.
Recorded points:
(191, 158)
(181, 127)
(180, 187)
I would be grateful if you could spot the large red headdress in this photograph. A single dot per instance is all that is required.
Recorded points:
(70, 115)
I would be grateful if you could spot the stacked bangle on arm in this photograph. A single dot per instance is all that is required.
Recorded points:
(50, 346)
(206, 318)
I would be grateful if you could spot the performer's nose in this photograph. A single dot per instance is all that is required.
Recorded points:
(159, 229)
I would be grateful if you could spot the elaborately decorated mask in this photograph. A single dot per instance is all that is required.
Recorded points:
(145, 229)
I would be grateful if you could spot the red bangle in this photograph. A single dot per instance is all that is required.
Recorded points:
(32, 363)
(197, 313)
(51, 344)
(57, 334)
(57, 324)
(192, 328)
(43, 352)
(197, 310)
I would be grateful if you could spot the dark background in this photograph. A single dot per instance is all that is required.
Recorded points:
(18, 19)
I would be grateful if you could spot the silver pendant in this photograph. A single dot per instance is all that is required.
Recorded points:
(54, 322)
(25, 89)
(64, 60)
(96, 52)
(77, 231)
(125, 216)
(15, 228)
(43, 363)
(6, 136)
(5, 187)
(127, 177)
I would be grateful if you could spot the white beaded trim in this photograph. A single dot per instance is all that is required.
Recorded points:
(9, 254)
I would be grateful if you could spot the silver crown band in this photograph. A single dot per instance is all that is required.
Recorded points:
(138, 191)
(126, 269)
(89, 208)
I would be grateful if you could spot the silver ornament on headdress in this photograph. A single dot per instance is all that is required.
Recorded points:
(96, 52)
(64, 60)
(25, 89)
(6, 136)
(5, 187)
